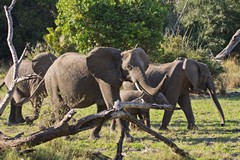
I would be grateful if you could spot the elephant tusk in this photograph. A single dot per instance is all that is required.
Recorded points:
(137, 86)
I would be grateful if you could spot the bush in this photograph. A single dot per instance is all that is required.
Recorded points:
(83, 25)
(209, 23)
(30, 20)
(178, 46)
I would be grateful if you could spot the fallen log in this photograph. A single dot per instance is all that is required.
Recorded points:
(231, 45)
(63, 128)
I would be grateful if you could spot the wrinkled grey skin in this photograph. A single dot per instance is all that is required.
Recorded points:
(184, 75)
(39, 65)
(76, 81)
(143, 114)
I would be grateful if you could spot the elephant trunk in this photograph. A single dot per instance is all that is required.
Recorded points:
(144, 84)
(215, 100)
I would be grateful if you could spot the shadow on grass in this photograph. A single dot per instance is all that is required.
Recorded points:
(45, 154)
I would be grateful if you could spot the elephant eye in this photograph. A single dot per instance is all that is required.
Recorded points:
(129, 67)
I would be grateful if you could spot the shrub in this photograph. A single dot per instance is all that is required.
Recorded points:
(178, 46)
(82, 25)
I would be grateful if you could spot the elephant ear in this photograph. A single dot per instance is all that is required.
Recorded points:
(144, 57)
(104, 63)
(41, 62)
(197, 73)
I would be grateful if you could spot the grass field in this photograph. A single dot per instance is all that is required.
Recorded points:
(210, 141)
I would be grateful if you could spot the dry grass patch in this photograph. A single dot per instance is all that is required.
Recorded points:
(231, 78)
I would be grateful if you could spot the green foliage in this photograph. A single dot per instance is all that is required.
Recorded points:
(121, 24)
(210, 24)
(178, 46)
(30, 20)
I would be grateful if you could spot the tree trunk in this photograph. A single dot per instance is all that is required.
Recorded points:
(225, 53)
(16, 61)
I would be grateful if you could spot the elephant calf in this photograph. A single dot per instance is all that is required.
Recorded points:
(143, 114)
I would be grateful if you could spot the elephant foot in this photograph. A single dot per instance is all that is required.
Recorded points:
(192, 127)
(128, 137)
(29, 120)
(12, 123)
(94, 136)
(163, 128)
(20, 120)
(15, 122)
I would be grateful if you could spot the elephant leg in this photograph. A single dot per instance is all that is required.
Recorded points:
(146, 117)
(113, 125)
(185, 103)
(18, 116)
(96, 130)
(132, 125)
(166, 120)
(12, 116)
(16, 108)
(37, 103)
(110, 95)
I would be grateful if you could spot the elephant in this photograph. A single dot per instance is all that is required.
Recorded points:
(78, 81)
(184, 75)
(24, 89)
(143, 114)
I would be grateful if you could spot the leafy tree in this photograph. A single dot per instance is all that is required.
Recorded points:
(210, 23)
(82, 25)
(30, 18)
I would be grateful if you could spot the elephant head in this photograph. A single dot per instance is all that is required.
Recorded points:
(115, 66)
(41, 63)
(134, 64)
(200, 77)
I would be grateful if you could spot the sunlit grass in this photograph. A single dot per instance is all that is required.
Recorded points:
(210, 141)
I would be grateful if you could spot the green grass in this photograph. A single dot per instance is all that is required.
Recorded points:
(210, 141)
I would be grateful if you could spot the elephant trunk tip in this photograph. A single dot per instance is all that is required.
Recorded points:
(223, 123)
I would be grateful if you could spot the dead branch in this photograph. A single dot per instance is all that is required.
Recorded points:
(119, 155)
(64, 129)
(3, 83)
(16, 61)
(28, 77)
(231, 45)
(179, 18)
(144, 105)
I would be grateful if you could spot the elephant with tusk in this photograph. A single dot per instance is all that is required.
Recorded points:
(78, 81)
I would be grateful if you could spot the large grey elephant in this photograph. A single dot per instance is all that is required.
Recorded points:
(184, 75)
(77, 81)
(38, 65)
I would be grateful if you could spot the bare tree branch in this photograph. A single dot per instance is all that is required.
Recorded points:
(64, 129)
(16, 62)
(178, 19)
(144, 105)
(231, 45)
(119, 155)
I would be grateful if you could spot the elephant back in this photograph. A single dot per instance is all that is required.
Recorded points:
(41, 62)
(24, 70)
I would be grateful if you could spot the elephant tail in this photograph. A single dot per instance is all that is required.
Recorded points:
(2, 85)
